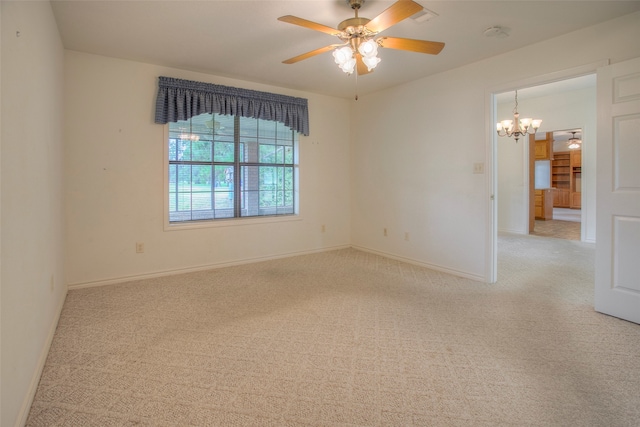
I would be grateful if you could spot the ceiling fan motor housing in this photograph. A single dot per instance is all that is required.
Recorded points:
(355, 4)
(354, 25)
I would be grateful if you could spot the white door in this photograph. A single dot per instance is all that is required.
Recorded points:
(617, 287)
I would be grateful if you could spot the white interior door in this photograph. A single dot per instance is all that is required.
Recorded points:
(617, 287)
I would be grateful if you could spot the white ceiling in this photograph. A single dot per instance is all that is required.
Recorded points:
(244, 40)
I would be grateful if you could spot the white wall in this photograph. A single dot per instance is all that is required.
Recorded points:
(559, 111)
(114, 180)
(416, 144)
(31, 193)
(414, 175)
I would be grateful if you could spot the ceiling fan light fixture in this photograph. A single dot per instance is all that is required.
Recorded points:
(342, 54)
(349, 66)
(574, 145)
(344, 58)
(368, 48)
(369, 51)
(574, 142)
(371, 62)
(189, 137)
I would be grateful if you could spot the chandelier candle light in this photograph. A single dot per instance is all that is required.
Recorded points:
(517, 127)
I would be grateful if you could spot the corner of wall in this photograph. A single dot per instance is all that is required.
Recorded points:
(35, 378)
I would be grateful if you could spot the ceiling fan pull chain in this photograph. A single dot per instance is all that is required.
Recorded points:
(356, 85)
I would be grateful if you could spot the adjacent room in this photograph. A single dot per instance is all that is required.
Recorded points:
(558, 188)
(555, 187)
(211, 213)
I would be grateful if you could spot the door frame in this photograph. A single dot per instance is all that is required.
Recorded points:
(491, 150)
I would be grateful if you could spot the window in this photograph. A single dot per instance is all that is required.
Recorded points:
(224, 166)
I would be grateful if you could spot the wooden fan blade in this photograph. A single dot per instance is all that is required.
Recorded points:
(310, 54)
(420, 46)
(309, 24)
(361, 68)
(395, 13)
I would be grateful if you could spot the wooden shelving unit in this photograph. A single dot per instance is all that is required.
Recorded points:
(561, 179)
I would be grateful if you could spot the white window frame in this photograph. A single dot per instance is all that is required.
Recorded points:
(226, 222)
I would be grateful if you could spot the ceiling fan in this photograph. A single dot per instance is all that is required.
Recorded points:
(359, 37)
(574, 142)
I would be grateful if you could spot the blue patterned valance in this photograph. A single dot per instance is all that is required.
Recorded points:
(182, 99)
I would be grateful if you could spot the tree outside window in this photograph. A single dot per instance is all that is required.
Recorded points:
(230, 167)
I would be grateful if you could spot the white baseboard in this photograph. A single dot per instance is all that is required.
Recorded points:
(435, 267)
(192, 269)
(35, 379)
(513, 231)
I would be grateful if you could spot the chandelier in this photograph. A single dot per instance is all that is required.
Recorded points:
(517, 127)
(574, 142)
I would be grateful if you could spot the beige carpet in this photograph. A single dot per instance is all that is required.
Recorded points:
(347, 338)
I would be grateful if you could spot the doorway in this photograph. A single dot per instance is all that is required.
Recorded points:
(557, 192)
(509, 212)
(563, 107)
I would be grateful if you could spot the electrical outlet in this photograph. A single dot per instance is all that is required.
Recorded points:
(384, 232)
(323, 228)
(139, 248)
(478, 168)
(406, 236)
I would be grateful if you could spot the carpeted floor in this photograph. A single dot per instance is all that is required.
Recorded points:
(347, 338)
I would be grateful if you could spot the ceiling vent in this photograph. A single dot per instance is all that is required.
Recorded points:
(424, 15)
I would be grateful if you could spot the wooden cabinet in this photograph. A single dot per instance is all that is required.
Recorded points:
(576, 158)
(542, 150)
(541, 199)
(560, 198)
(544, 204)
(576, 200)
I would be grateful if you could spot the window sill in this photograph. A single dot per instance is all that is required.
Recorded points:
(231, 222)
